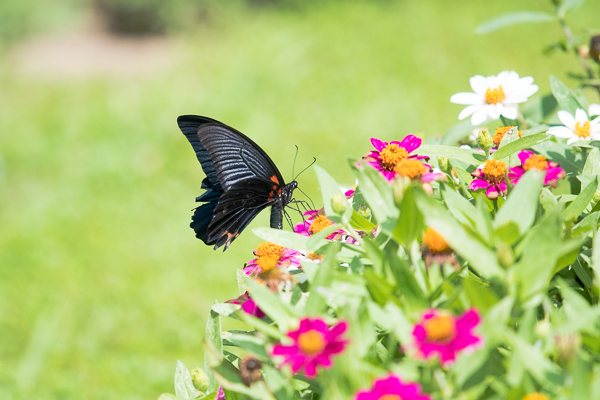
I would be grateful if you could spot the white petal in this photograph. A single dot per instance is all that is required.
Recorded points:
(468, 111)
(466, 98)
(561, 132)
(594, 109)
(480, 116)
(510, 111)
(478, 84)
(580, 115)
(566, 119)
(494, 111)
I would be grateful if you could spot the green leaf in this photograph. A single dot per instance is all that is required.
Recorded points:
(317, 302)
(532, 358)
(251, 343)
(410, 291)
(482, 258)
(271, 304)
(521, 206)
(513, 18)
(568, 5)
(467, 214)
(452, 152)
(283, 238)
(458, 132)
(184, 387)
(538, 109)
(331, 192)
(578, 206)
(377, 192)
(566, 99)
(591, 169)
(410, 222)
(596, 257)
(520, 144)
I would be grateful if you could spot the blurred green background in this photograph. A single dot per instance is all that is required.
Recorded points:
(102, 284)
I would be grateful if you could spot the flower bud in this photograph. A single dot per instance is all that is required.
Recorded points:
(338, 203)
(505, 255)
(484, 139)
(365, 212)
(567, 345)
(596, 197)
(250, 370)
(399, 187)
(542, 328)
(200, 379)
(444, 163)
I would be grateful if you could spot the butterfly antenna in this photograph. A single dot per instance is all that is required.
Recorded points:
(295, 156)
(307, 167)
(312, 204)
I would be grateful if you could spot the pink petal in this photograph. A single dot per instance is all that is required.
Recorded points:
(478, 183)
(492, 192)
(411, 143)
(378, 144)
(524, 155)
(515, 174)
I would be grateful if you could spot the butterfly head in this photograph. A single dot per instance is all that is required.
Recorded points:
(288, 191)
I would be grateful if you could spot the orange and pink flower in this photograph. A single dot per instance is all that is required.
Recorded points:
(387, 155)
(269, 256)
(530, 160)
(442, 334)
(248, 305)
(392, 387)
(313, 345)
(490, 176)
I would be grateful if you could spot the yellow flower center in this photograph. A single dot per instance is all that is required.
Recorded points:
(391, 155)
(583, 131)
(536, 161)
(268, 255)
(494, 95)
(319, 223)
(434, 241)
(390, 397)
(494, 171)
(440, 328)
(311, 342)
(410, 168)
(535, 396)
(500, 132)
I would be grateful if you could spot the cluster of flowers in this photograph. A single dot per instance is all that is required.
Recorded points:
(314, 344)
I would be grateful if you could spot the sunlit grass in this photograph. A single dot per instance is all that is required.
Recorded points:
(103, 284)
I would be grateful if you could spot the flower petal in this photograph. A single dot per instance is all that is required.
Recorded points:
(477, 184)
(469, 110)
(480, 116)
(467, 98)
(567, 119)
(411, 143)
(478, 84)
(378, 144)
(580, 115)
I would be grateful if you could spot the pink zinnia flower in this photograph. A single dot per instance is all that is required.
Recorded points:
(490, 176)
(392, 388)
(270, 256)
(315, 221)
(220, 394)
(445, 335)
(314, 343)
(387, 155)
(530, 160)
(248, 305)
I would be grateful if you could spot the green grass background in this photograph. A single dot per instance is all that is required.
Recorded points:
(102, 284)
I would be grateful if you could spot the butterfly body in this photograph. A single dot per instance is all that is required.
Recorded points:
(241, 180)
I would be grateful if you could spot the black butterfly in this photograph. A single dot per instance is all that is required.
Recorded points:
(241, 180)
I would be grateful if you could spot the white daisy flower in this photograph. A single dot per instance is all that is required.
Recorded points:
(494, 96)
(577, 127)
(594, 109)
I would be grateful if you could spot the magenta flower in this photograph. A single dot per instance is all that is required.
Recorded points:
(270, 256)
(392, 388)
(313, 345)
(387, 155)
(248, 305)
(445, 335)
(220, 394)
(490, 176)
(530, 160)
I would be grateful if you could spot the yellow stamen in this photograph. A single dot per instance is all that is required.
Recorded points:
(391, 155)
(494, 171)
(434, 241)
(440, 328)
(410, 168)
(536, 161)
(268, 255)
(535, 396)
(390, 397)
(319, 223)
(494, 95)
(311, 342)
(500, 132)
(583, 131)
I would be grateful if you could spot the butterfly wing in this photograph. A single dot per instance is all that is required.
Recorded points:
(241, 179)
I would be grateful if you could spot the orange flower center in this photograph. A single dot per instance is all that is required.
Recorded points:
(268, 255)
(434, 241)
(319, 223)
(391, 155)
(535, 396)
(536, 161)
(494, 95)
(583, 131)
(494, 171)
(500, 132)
(390, 397)
(311, 342)
(440, 328)
(410, 168)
